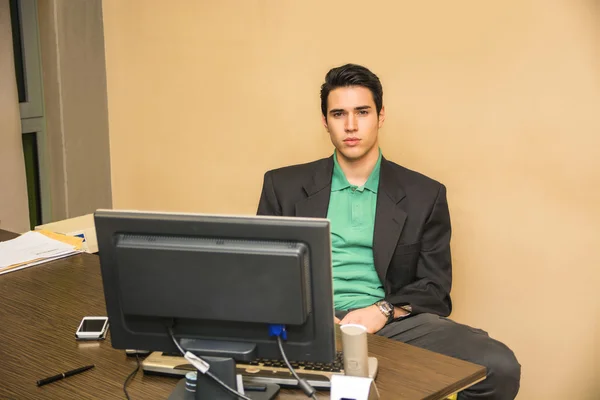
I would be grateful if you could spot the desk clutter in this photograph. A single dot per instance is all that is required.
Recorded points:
(82, 226)
(350, 377)
(260, 371)
(36, 247)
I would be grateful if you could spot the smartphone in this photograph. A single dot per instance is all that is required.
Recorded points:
(92, 328)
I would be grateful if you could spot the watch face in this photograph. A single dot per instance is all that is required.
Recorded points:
(387, 307)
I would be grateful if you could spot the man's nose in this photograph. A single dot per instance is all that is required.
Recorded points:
(351, 123)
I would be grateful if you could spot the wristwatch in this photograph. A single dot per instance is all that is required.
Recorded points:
(386, 309)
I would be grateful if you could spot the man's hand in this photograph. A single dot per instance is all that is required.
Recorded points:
(336, 320)
(370, 317)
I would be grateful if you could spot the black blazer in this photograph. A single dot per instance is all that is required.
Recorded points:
(411, 243)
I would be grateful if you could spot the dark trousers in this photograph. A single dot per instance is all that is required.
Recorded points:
(447, 337)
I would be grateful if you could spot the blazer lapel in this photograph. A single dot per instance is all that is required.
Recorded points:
(318, 190)
(389, 219)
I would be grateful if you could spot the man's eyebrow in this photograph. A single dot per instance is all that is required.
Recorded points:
(359, 108)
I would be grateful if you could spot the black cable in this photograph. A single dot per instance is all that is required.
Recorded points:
(308, 390)
(131, 375)
(208, 373)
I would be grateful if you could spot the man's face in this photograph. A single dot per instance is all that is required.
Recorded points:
(352, 122)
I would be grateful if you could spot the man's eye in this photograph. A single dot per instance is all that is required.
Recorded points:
(337, 114)
(363, 112)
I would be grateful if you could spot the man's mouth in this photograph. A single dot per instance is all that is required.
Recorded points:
(351, 142)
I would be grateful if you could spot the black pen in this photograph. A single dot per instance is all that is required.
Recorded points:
(63, 375)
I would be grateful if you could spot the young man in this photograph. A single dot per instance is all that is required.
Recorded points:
(390, 234)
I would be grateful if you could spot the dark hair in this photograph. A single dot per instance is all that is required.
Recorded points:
(351, 75)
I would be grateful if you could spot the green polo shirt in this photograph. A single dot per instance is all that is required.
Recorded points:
(352, 219)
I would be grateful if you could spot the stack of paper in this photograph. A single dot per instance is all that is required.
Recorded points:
(33, 248)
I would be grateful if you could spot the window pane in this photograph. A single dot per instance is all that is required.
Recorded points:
(15, 20)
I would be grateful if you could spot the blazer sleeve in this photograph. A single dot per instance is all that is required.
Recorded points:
(268, 204)
(430, 292)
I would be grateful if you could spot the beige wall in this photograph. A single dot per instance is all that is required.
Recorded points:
(498, 100)
(14, 214)
(74, 79)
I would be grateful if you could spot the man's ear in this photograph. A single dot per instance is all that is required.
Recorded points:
(324, 120)
(381, 116)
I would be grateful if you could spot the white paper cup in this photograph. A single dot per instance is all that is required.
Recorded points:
(356, 353)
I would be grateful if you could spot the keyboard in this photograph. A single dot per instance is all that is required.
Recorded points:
(335, 366)
(260, 370)
(264, 370)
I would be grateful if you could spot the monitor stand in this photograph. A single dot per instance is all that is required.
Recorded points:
(207, 389)
(223, 367)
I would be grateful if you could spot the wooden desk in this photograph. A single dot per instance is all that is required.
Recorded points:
(41, 307)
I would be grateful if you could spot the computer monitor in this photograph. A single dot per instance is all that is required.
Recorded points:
(219, 281)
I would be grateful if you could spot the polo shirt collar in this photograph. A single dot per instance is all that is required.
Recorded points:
(339, 181)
